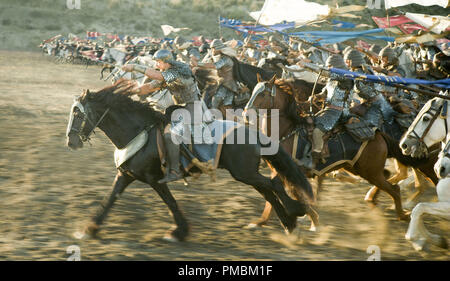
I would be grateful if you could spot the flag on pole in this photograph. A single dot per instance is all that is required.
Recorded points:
(298, 11)
(437, 24)
(167, 29)
(92, 34)
(404, 23)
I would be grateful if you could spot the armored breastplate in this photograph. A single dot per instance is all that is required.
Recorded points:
(181, 84)
(184, 90)
(365, 90)
(336, 95)
(225, 71)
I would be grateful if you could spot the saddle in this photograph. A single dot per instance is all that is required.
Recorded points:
(339, 148)
(359, 130)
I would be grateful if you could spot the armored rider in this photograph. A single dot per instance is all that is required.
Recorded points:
(185, 51)
(337, 92)
(379, 109)
(223, 62)
(177, 77)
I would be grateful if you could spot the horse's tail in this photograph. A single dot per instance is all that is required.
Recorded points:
(289, 173)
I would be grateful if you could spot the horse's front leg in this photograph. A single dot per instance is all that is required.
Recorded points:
(180, 232)
(120, 183)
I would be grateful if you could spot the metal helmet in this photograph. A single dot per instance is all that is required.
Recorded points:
(356, 59)
(217, 44)
(163, 55)
(336, 61)
(390, 54)
(375, 48)
(346, 50)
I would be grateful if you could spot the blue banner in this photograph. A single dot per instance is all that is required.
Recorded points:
(237, 25)
(444, 83)
(342, 24)
(331, 37)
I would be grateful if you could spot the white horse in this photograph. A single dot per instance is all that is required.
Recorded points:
(430, 127)
(417, 233)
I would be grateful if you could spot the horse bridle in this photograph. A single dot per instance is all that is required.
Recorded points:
(84, 111)
(446, 150)
(441, 112)
(260, 89)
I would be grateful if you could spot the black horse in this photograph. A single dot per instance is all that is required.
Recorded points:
(121, 119)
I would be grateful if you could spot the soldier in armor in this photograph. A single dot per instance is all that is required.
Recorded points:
(337, 93)
(185, 51)
(379, 109)
(228, 87)
(178, 78)
(204, 47)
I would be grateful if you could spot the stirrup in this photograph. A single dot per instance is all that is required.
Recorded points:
(171, 176)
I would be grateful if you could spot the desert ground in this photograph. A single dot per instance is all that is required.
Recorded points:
(47, 192)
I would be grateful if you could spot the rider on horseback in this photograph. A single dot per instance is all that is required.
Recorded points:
(378, 108)
(185, 51)
(223, 62)
(178, 78)
(337, 92)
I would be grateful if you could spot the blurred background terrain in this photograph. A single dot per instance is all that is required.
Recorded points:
(25, 23)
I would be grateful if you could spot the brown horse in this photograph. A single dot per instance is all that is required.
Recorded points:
(370, 164)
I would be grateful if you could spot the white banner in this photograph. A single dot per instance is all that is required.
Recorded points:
(299, 11)
(437, 24)
(396, 3)
(167, 29)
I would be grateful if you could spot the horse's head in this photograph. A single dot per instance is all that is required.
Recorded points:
(429, 127)
(83, 119)
(442, 166)
(263, 95)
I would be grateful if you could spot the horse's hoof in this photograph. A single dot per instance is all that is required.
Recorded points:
(418, 245)
(80, 235)
(90, 231)
(176, 234)
(252, 225)
(313, 228)
(290, 226)
(170, 238)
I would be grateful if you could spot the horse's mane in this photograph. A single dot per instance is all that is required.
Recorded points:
(246, 73)
(298, 86)
(292, 111)
(118, 97)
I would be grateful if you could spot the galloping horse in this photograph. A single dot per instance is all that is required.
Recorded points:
(417, 233)
(369, 165)
(122, 119)
(430, 127)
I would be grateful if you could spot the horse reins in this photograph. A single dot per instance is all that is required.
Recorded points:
(433, 118)
(87, 119)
